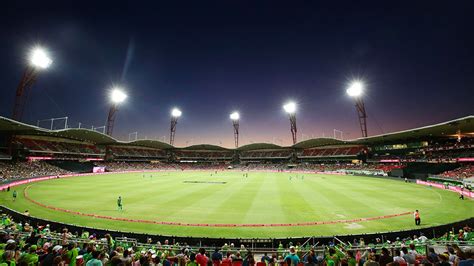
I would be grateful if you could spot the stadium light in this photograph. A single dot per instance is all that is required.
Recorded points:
(235, 117)
(175, 114)
(38, 59)
(117, 96)
(290, 109)
(355, 90)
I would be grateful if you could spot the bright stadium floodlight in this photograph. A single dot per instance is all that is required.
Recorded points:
(235, 116)
(117, 96)
(290, 109)
(355, 90)
(39, 58)
(176, 112)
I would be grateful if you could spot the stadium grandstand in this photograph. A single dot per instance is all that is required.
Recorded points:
(448, 145)
(441, 142)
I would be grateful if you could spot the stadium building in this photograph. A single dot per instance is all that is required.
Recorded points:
(440, 155)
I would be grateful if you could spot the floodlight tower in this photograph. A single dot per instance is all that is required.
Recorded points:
(175, 114)
(355, 90)
(235, 116)
(290, 109)
(117, 96)
(39, 60)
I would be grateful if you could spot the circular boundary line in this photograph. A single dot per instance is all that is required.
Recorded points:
(26, 195)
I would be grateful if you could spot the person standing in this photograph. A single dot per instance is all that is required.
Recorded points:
(417, 217)
(14, 195)
(292, 256)
(119, 203)
(201, 257)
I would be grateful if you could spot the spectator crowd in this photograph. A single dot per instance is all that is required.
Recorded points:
(27, 245)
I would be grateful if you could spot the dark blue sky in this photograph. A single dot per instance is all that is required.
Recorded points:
(210, 58)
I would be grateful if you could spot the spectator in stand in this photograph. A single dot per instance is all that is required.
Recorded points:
(398, 257)
(443, 260)
(216, 257)
(311, 260)
(72, 254)
(371, 260)
(469, 258)
(30, 258)
(95, 259)
(265, 258)
(412, 250)
(293, 257)
(409, 258)
(249, 259)
(237, 257)
(227, 258)
(385, 257)
(351, 261)
(432, 256)
(201, 257)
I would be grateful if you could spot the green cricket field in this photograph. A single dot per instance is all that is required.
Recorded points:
(229, 204)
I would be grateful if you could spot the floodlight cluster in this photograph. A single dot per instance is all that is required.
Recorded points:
(176, 112)
(290, 107)
(235, 116)
(356, 88)
(117, 95)
(39, 58)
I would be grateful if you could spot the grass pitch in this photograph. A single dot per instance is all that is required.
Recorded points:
(230, 198)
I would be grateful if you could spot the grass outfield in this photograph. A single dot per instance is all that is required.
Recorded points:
(230, 198)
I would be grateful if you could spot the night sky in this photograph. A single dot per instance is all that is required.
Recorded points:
(210, 58)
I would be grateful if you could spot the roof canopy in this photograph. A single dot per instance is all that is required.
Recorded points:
(451, 128)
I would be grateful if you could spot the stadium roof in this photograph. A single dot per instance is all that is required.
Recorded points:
(319, 142)
(81, 134)
(464, 125)
(260, 146)
(200, 147)
(147, 143)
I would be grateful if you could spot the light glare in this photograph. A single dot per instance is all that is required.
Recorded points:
(39, 58)
(235, 116)
(356, 88)
(117, 95)
(290, 107)
(176, 112)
